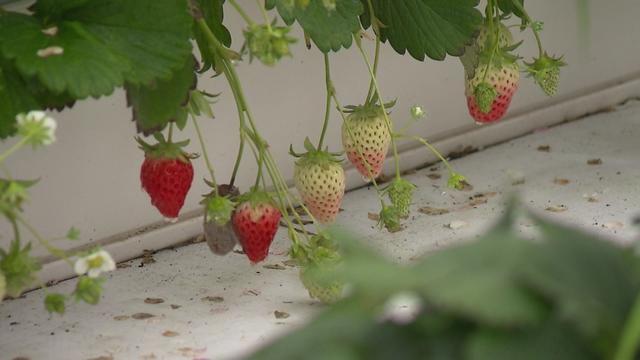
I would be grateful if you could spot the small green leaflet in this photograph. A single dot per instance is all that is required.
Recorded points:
(507, 7)
(329, 29)
(163, 101)
(433, 28)
(213, 14)
(90, 47)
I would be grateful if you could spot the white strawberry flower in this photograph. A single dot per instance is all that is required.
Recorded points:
(94, 264)
(37, 128)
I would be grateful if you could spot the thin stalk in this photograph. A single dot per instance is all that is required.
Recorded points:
(242, 13)
(14, 148)
(327, 77)
(44, 242)
(236, 166)
(376, 32)
(264, 15)
(519, 6)
(260, 164)
(433, 150)
(14, 225)
(384, 110)
(630, 338)
(170, 135)
(233, 80)
(205, 155)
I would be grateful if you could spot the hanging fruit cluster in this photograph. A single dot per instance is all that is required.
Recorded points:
(154, 62)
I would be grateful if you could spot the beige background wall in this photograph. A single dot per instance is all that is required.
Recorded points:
(89, 178)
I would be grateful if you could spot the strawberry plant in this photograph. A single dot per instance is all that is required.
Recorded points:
(64, 51)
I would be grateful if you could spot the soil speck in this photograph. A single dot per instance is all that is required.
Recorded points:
(142, 316)
(281, 314)
(153, 301)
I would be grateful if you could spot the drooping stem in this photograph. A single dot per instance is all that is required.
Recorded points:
(382, 106)
(241, 11)
(44, 242)
(205, 155)
(170, 135)
(265, 16)
(284, 197)
(327, 78)
(13, 148)
(236, 166)
(376, 31)
(526, 16)
(433, 150)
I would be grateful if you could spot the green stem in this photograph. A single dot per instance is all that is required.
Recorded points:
(519, 6)
(205, 155)
(236, 166)
(630, 338)
(260, 164)
(433, 150)
(327, 78)
(14, 148)
(44, 242)
(170, 136)
(264, 15)
(234, 83)
(384, 110)
(242, 13)
(376, 60)
(16, 229)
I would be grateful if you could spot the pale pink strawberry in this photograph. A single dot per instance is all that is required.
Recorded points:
(319, 178)
(504, 80)
(365, 132)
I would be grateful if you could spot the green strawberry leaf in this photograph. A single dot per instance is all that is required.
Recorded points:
(19, 268)
(88, 48)
(329, 29)
(88, 289)
(15, 98)
(163, 101)
(54, 303)
(213, 14)
(433, 28)
(507, 7)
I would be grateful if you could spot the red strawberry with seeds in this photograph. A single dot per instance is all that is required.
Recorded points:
(166, 175)
(255, 222)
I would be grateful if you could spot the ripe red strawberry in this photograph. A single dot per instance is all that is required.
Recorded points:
(492, 74)
(319, 178)
(365, 132)
(166, 175)
(255, 222)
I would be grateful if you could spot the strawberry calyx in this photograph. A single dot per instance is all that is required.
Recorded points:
(256, 198)
(315, 156)
(219, 205)
(400, 192)
(485, 95)
(166, 150)
(368, 111)
(545, 71)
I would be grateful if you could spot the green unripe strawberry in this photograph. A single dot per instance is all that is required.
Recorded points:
(400, 192)
(546, 73)
(327, 293)
(320, 256)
